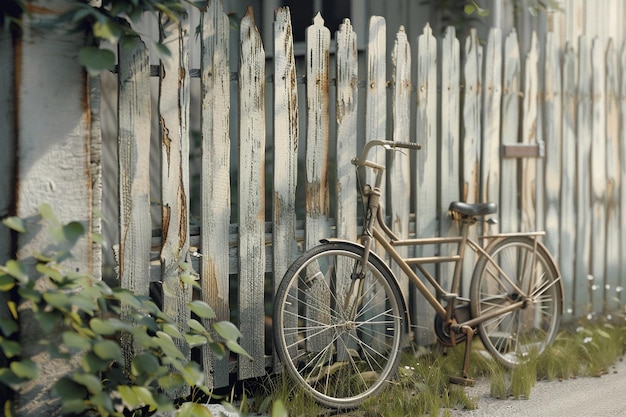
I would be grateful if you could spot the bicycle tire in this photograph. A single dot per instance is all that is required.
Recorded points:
(512, 337)
(338, 357)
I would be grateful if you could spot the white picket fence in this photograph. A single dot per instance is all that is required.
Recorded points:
(539, 132)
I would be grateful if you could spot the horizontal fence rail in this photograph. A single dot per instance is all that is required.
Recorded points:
(541, 132)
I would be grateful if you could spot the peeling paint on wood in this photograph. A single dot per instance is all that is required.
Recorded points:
(317, 83)
(376, 91)
(398, 168)
(174, 96)
(509, 209)
(450, 161)
(251, 197)
(286, 138)
(347, 128)
(215, 177)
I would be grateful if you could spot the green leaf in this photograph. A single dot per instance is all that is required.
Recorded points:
(469, 9)
(172, 330)
(46, 211)
(195, 340)
(129, 396)
(144, 363)
(90, 381)
(144, 396)
(108, 30)
(51, 272)
(73, 231)
(15, 223)
(57, 299)
(193, 374)
(7, 377)
(91, 363)
(126, 297)
(8, 326)
(202, 309)
(195, 325)
(69, 390)
(190, 409)
(96, 59)
(75, 340)
(104, 327)
(7, 283)
(25, 369)
(236, 348)
(10, 348)
(108, 350)
(227, 330)
(166, 344)
(171, 381)
(17, 270)
(218, 349)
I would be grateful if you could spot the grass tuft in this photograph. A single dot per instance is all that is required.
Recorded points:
(421, 386)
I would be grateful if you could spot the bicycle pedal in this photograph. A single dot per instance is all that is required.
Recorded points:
(459, 380)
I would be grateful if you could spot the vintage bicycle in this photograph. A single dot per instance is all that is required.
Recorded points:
(340, 318)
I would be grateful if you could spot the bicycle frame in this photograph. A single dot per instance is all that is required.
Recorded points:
(389, 241)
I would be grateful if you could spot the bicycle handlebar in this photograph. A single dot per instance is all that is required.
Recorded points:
(387, 144)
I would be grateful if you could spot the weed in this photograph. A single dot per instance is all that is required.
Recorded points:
(421, 386)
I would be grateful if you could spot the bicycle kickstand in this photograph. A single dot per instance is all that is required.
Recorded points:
(465, 379)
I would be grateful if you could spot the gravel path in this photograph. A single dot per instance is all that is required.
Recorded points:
(604, 396)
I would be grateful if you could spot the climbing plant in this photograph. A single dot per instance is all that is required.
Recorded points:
(86, 313)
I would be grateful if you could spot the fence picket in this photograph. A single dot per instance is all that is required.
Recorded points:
(583, 224)
(426, 166)
(567, 240)
(173, 104)
(449, 162)
(376, 97)
(613, 254)
(317, 83)
(134, 174)
(552, 125)
(510, 126)
(285, 150)
(399, 169)
(529, 137)
(251, 197)
(347, 128)
(597, 173)
(470, 146)
(215, 178)
(492, 96)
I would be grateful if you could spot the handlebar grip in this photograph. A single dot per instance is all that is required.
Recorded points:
(406, 145)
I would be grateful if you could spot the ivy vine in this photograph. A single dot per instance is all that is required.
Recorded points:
(106, 23)
(92, 320)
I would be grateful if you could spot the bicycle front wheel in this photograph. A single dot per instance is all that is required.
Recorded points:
(336, 331)
(518, 269)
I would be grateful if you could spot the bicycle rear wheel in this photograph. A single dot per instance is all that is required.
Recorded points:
(520, 269)
(341, 343)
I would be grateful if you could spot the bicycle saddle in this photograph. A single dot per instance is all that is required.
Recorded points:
(473, 209)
